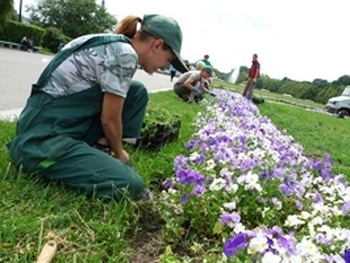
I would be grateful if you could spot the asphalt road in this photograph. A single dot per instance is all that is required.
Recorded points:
(19, 70)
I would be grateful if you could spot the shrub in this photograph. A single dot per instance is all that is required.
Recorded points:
(13, 31)
(52, 38)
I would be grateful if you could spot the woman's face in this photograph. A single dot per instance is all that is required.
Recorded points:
(156, 57)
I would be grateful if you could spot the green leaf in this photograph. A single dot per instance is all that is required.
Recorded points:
(168, 251)
(217, 228)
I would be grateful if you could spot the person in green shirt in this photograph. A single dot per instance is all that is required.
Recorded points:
(86, 96)
(206, 61)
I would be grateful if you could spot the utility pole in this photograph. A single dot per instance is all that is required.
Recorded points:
(103, 3)
(20, 11)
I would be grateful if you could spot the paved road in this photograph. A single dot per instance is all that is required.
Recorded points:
(19, 70)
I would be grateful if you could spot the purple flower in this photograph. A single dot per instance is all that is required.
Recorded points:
(199, 190)
(180, 161)
(318, 198)
(265, 175)
(322, 239)
(299, 205)
(286, 189)
(316, 165)
(278, 172)
(230, 217)
(247, 165)
(346, 208)
(185, 198)
(271, 245)
(328, 164)
(190, 145)
(186, 177)
(167, 184)
(288, 244)
(325, 174)
(233, 245)
(347, 256)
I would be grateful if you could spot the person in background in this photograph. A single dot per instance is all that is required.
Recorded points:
(190, 86)
(172, 73)
(86, 97)
(253, 76)
(200, 65)
(205, 60)
(27, 44)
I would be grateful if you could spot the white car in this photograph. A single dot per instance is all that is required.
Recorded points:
(341, 104)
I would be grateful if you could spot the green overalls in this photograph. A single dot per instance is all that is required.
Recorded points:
(55, 134)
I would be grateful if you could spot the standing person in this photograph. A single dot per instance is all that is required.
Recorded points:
(205, 60)
(254, 74)
(86, 96)
(172, 73)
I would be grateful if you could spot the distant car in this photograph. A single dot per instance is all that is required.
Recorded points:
(340, 105)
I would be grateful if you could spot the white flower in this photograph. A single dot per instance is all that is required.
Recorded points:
(265, 211)
(293, 259)
(251, 178)
(239, 227)
(338, 259)
(230, 206)
(172, 191)
(317, 220)
(193, 156)
(257, 244)
(210, 165)
(217, 184)
(293, 220)
(308, 249)
(304, 215)
(232, 188)
(269, 257)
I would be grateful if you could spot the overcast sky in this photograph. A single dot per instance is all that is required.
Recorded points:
(299, 39)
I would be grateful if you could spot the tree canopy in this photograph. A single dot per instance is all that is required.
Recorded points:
(6, 10)
(73, 17)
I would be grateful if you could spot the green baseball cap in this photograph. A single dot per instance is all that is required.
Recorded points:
(168, 29)
(209, 70)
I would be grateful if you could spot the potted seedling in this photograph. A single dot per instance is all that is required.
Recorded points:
(160, 127)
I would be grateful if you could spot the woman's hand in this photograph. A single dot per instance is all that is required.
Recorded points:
(124, 156)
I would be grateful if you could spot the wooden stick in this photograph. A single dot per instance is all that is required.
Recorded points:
(48, 252)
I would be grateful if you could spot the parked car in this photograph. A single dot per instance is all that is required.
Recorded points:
(340, 105)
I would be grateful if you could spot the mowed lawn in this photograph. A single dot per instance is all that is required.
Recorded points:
(317, 133)
(33, 211)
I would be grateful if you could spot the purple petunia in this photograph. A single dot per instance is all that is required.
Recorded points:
(233, 245)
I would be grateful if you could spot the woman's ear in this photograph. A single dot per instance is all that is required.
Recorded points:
(158, 43)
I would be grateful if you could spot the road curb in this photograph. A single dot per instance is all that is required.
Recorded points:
(12, 114)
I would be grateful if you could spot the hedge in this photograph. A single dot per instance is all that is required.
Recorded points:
(13, 31)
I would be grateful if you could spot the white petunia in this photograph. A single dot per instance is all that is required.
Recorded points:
(230, 206)
(257, 244)
(269, 257)
(293, 220)
(217, 184)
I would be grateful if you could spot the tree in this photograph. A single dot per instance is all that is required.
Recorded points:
(6, 10)
(73, 17)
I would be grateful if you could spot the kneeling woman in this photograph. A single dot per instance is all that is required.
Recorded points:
(85, 94)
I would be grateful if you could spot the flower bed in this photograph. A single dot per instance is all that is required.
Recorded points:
(246, 189)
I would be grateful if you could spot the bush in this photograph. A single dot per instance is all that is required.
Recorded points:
(52, 38)
(13, 31)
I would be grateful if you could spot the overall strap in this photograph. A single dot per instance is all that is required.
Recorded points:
(66, 52)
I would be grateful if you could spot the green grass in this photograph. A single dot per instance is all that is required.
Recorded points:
(317, 133)
(33, 211)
